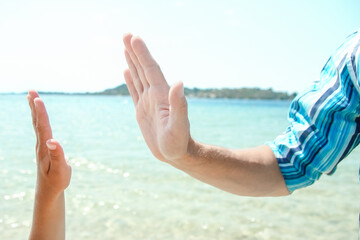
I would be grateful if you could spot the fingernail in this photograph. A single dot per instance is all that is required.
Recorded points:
(35, 101)
(50, 145)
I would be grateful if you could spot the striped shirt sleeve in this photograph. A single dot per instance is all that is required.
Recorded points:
(324, 121)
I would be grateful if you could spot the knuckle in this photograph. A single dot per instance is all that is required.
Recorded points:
(41, 128)
(38, 126)
(153, 67)
(54, 155)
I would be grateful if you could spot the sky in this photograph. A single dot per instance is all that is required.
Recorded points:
(76, 46)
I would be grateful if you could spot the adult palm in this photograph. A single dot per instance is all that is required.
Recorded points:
(161, 111)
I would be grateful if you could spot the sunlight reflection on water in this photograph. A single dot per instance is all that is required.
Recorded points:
(119, 191)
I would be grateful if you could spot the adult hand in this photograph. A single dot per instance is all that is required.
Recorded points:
(162, 115)
(161, 111)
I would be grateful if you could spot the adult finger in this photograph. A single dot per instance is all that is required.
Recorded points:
(151, 69)
(134, 74)
(127, 41)
(178, 103)
(139, 77)
(130, 86)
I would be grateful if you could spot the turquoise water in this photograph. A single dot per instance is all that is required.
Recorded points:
(119, 191)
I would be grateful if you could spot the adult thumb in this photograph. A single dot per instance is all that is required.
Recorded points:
(178, 103)
(56, 151)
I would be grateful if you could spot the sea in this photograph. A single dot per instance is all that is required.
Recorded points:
(119, 190)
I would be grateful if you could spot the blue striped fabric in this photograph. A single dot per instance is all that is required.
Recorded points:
(324, 120)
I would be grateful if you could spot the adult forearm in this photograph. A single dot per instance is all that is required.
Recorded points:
(162, 114)
(249, 172)
(49, 217)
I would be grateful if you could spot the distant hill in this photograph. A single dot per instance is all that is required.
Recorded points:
(232, 93)
(235, 93)
(119, 90)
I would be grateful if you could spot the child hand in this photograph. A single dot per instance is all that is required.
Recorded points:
(53, 171)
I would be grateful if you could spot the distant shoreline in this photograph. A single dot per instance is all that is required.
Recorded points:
(215, 93)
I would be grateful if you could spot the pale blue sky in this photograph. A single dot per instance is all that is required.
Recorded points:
(77, 45)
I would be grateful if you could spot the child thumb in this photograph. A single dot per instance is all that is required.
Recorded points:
(56, 151)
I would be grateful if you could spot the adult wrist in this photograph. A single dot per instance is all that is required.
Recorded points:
(192, 158)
